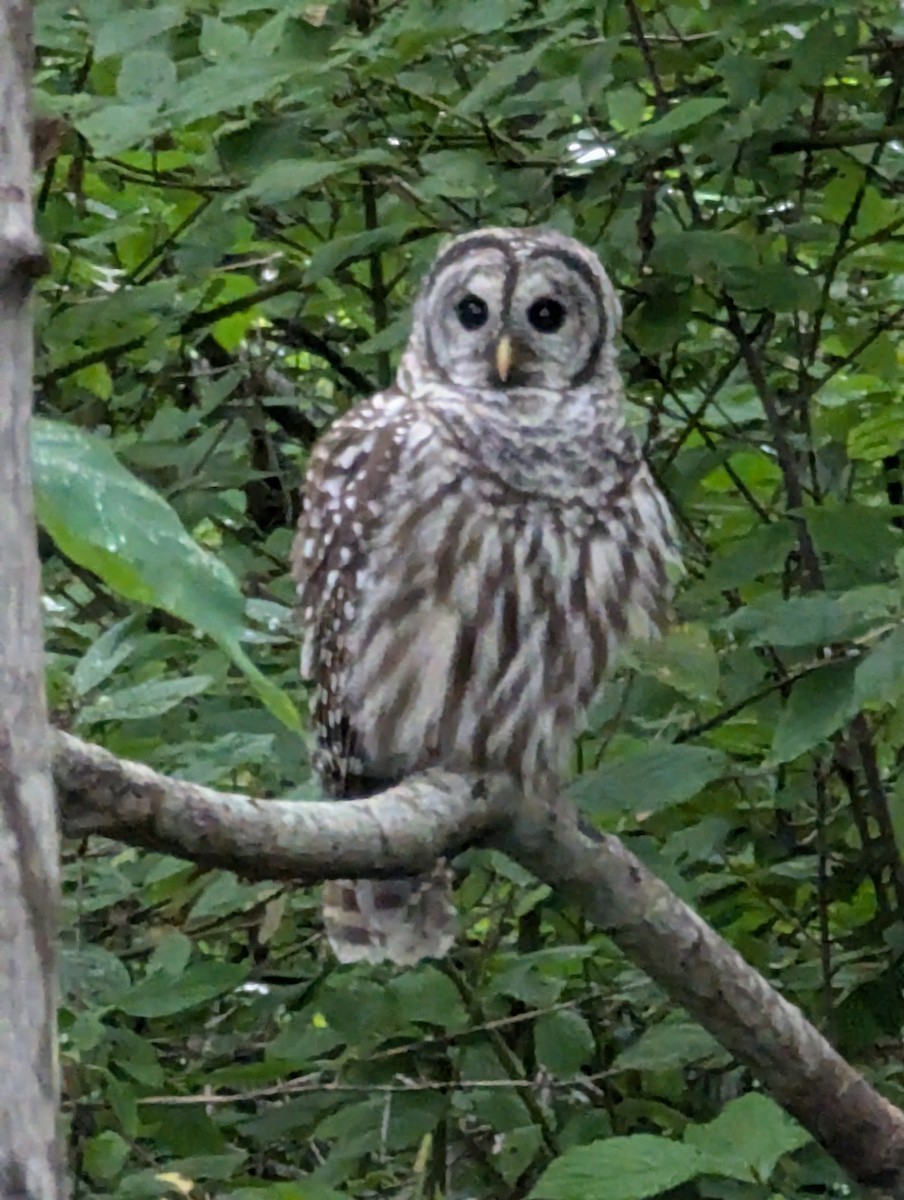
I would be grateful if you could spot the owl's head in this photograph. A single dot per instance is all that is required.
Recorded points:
(515, 308)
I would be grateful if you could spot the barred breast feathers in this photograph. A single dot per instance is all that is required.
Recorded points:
(456, 616)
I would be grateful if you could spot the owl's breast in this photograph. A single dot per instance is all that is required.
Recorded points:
(483, 630)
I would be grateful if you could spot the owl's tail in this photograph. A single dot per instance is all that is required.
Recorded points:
(395, 920)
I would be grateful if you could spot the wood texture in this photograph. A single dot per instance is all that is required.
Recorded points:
(29, 1158)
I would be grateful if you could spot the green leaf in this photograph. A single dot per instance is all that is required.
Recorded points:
(147, 77)
(91, 974)
(876, 437)
(685, 659)
(649, 780)
(747, 1138)
(698, 251)
(105, 1155)
(144, 700)
(817, 620)
(487, 16)
(161, 996)
(619, 1168)
(879, 677)
(515, 1150)
(222, 895)
(857, 534)
(627, 106)
(758, 553)
(290, 177)
(776, 286)
(500, 77)
(171, 955)
(684, 116)
(117, 127)
(669, 1045)
(563, 1042)
(102, 657)
(132, 29)
(105, 519)
(819, 704)
(429, 997)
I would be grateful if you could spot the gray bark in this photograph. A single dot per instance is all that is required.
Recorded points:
(407, 827)
(29, 1157)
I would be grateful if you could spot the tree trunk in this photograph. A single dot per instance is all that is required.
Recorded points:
(29, 1152)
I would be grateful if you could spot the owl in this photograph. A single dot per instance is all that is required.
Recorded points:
(475, 543)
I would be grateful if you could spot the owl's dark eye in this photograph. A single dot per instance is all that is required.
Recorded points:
(472, 311)
(546, 315)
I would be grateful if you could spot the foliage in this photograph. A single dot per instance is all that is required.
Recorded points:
(237, 196)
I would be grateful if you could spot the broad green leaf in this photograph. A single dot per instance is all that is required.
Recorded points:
(700, 250)
(106, 1155)
(91, 974)
(284, 180)
(221, 39)
(340, 250)
(147, 77)
(171, 955)
(627, 106)
(619, 1168)
(775, 286)
(107, 520)
(226, 86)
(760, 552)
(819, 705)
(858, 534)
(669, 1045)
(747, 1138)
(132, 29)
(102, 657)
(429, 997)
(501, 76)
(879, 435)
(879, 677)
(488, 15)
(209, 1166)
(685, 659)
(161, 996)
(222, 895)
(144, 700)
(684, 116)
(649, 780)
(515, 1150)
(563, 1042)
(117, 127)
(137, 1058)
(817, 620)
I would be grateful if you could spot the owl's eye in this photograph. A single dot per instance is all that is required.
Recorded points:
(472, 311)
(546, 315)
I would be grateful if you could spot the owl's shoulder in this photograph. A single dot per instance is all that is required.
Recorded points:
(355, 478)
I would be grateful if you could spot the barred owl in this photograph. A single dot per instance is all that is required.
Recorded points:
(474, 544)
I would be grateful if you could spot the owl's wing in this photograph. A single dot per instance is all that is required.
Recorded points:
(348, 484)
(351, 481)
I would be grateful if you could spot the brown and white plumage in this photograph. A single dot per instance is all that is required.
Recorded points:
(475, 543)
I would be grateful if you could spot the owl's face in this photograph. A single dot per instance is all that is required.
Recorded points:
(515, 308)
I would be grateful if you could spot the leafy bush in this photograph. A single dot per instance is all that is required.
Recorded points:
(237, 198)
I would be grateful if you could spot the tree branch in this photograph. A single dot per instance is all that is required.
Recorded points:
(403, 830)
(30, 1144)
(406, 828)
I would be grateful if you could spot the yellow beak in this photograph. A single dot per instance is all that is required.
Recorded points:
(504, 357)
